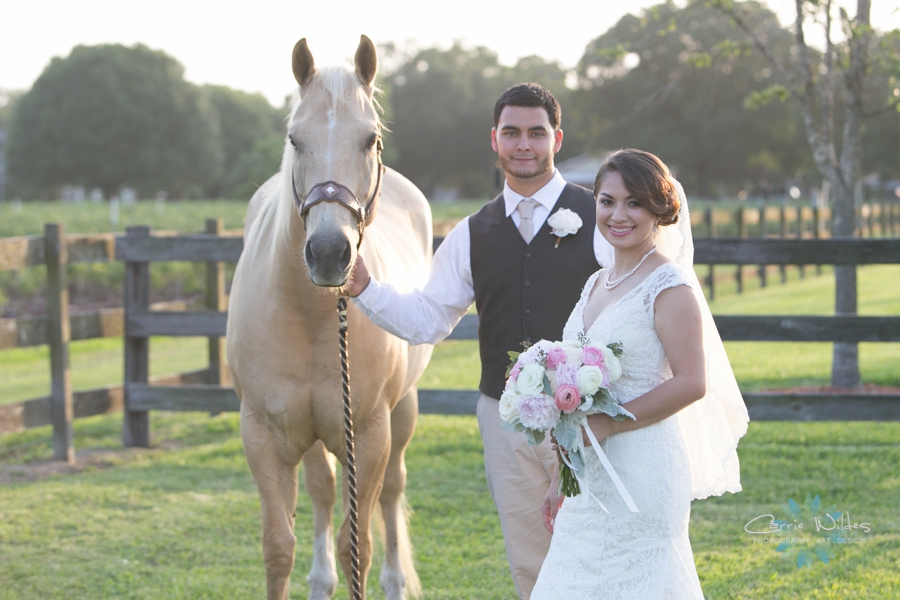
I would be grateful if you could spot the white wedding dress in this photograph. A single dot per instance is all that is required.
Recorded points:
(624, 555)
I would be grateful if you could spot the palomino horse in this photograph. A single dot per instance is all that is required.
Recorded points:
(283, 329)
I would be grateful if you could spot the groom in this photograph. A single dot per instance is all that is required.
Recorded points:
(524, 281)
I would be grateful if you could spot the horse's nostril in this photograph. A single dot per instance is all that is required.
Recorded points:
(346, 257)
(310, 256)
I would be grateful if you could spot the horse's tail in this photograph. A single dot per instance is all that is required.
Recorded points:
(407, 561)
(413, 587)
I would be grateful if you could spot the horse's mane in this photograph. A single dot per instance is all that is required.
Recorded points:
(342, 86)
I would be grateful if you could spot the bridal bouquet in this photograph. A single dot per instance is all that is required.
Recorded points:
(556, 385)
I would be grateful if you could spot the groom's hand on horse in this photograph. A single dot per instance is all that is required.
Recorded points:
(359, 278)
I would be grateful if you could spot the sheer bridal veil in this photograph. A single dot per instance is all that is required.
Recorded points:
(711, 426)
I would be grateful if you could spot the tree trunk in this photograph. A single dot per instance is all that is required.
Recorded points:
(845, 362)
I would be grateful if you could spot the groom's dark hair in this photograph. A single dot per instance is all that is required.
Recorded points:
(529, 95)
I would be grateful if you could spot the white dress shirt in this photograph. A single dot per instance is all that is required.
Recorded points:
(428, 315)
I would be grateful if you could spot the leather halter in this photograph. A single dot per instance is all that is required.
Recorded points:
(331, 191)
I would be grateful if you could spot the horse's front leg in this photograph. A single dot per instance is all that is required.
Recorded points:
(398, 574)
(372, 449)
(277, 485)
(318, 472)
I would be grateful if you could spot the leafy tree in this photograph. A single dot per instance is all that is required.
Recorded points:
(670, 82)
(111, 116)
(7, 99)
(442, 104)
(252, 137)
(881, 151)
(830, 89)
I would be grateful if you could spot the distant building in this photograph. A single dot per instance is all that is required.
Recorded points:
(581, 169)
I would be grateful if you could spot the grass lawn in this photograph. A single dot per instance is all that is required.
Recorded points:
(25, 372)
(28, 218)
(757, 365)
(181, 520)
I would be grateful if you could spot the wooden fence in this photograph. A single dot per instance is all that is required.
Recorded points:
(874, 220)
(54, 250)
(209, 390)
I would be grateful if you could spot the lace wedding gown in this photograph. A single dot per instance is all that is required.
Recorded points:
(624, 555)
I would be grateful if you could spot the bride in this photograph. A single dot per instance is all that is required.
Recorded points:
(677, 382)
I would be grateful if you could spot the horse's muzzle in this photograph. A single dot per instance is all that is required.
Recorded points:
(328, 259)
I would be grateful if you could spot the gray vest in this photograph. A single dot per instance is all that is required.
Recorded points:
(525, 292)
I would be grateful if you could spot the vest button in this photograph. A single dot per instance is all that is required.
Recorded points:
(527, 312)
(528, 255)
(527, 284)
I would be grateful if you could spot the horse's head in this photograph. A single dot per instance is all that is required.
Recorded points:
(336, 165)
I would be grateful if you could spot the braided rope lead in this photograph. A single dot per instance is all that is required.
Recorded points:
(351, 459)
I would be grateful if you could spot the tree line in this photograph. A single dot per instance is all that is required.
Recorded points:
(687, 83)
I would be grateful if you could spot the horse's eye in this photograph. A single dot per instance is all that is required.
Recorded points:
(373, 139)
(292, 140)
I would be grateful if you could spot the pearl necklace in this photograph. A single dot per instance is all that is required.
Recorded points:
(611, 284)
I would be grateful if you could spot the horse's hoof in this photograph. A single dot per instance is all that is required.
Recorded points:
(320, 588)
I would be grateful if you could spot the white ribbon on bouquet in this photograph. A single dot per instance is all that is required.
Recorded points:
(617, 481)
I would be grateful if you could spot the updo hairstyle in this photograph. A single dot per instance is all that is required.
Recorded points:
(647, 179)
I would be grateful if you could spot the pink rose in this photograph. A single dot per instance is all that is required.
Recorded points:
(567, 398)
(555, 357)
(592, 357)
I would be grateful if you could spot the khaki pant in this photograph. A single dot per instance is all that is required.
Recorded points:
(518, 476)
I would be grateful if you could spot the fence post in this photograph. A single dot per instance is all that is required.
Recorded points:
(710, 218)
(783, 232)
(742, 232)
(216, 300)
(763, 233)
(817, 230)
(800, 231)
(136, 425)
(61, 410)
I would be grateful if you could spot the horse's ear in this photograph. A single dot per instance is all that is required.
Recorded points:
(302, 61)
(366, 61)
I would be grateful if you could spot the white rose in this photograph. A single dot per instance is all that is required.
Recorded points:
(564, 222)
(612, 364)
(531, 380)
(508, 410)
(573, 351)
(589, 378)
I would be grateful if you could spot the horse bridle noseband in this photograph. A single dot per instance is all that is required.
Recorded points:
(331, 191)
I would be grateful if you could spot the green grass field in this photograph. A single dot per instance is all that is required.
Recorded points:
(181, 520)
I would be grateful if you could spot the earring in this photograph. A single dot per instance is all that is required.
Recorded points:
(656, 227)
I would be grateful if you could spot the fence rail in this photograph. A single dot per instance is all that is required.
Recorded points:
(55, 250)
(209, 390)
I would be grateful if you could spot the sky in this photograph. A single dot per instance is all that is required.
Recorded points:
(247, 46)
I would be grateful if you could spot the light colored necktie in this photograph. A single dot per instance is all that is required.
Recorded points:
(526, 226)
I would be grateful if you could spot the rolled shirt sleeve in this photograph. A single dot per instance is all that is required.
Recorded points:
(429, 314)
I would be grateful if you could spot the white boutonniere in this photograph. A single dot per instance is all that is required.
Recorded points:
(564, 222)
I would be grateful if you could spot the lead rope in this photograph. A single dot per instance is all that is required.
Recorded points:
(351, 460)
